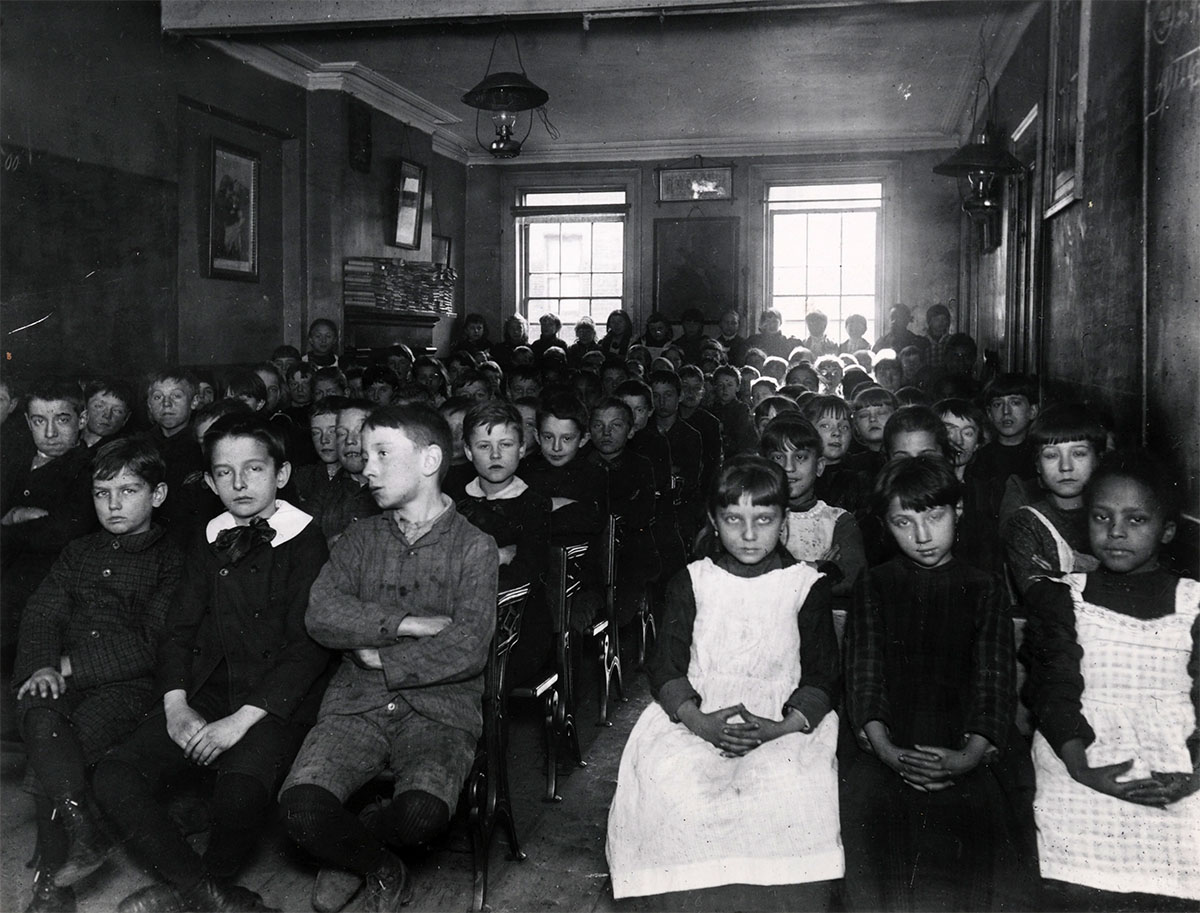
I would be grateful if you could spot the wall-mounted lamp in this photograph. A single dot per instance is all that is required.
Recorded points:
(980, 168)
(506, 95)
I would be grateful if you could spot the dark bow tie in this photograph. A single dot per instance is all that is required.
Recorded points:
(236, 543)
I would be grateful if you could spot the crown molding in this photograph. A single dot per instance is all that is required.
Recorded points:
(716, 148)
(295, 67)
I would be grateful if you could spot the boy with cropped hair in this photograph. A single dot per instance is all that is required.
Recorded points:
(559, 471)
(737, 425)
(409, 599)
(238, 675)
(346, 497)
(109, 403)
(84, 669)
(817, 342)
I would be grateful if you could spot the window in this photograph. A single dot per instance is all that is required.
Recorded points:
(823, 244)
(571, 257)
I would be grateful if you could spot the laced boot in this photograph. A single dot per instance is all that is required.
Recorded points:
(48, 897)
(388, 887)
(88, 847)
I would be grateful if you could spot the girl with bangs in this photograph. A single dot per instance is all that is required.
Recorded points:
(727, 791)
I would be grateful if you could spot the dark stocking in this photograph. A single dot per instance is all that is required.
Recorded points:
(54, 752)
(320, 824)
(239, 808)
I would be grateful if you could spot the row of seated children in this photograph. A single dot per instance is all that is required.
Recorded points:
(736, 788)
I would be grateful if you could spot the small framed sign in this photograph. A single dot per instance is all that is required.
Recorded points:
(408, 206)
(686, 185)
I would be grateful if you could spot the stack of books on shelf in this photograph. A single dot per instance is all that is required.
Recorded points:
(398, 285)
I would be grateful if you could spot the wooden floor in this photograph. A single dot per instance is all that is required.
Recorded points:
(565, 868)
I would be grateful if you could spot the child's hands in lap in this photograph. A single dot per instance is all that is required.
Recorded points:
(218, 736)
(1147, 791)
(45, 682)
(734, 739)
(183, 723)
(1179, 785)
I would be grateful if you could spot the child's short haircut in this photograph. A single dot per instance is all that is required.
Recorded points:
(251, 426)
(455, 404)
(754, 353)
(184, 378)
(612, 402)
(410, 393)
(285, 352)
(523, 372)
(872, 396)
(635, 388)
(803, 397)
(889, 364)
(775, 367)
(380, 374)
(692, 371)
(962, 341)
(137, 455)
(826, 406)
(790, 431)
(473, 376)
(808, 371)
(1011, 384)
(853, 380)
(323, 322)
(330, 405)
(493, 374)
(304, 369)
(464, 357)
(691, 315)
(552, 319)
(110, 386)
(745, 474)
(771, 312)
(54, 391)
(490, 413)
(670, 378)
(801, 354)
(245, 382)
(856, 320)
(613, 363)
(935, 310)
(829, 360)
(916, 419)
(865, 359)
(330, 373)
(1140, 466)
(912, 396)
(793, 391)
(1066, 422)
(815, 320)
(961, 408)
(219, 408)
(778, 404)
(270, 369)
(566, 407)
(355, 372)
(920, 483)
(421, 424)
(727, 371)
(769, 382)
(750, 371)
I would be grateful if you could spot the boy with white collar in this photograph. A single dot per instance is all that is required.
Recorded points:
(239, 676)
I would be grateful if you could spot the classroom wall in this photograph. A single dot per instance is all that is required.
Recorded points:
(1093, 331)
(923, 235)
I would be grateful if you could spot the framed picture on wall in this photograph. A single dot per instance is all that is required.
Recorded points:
(408, 206)
(233, 213)
(680, 185)
(1067, 101)
(441, 250)
(695, 265)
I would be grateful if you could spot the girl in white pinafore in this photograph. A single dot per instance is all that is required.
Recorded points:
(1130, 632)
(730, 777)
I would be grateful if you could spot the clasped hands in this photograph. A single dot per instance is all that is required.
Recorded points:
(926, 768)
(203, 742)
(735, 739)
(1158, 789)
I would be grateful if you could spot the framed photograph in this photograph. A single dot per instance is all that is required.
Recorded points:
(1066, 102)
(233, 214)
(686, 185)
(695, 265)
(441, 250)
(408, 206)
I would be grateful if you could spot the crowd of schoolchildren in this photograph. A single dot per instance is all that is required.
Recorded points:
(284, 586)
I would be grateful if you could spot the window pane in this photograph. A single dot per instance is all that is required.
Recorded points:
(576, 284)
(572, 197)
(608, 251)
(834, 193)
(543, 247)
(788, 281)
(790, 238)
(606, 284)
(824, 279)
(576, 247)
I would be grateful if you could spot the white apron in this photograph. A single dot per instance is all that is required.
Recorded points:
(1137, 698)
(686, 818)
(810, 534)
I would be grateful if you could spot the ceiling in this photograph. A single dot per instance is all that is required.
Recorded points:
(684, 80)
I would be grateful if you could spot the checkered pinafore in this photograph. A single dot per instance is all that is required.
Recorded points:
(1137, 700)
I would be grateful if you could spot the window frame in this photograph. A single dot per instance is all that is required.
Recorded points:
(763, 177)
(513, 186)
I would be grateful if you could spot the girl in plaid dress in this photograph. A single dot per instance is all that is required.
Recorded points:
(1112, 684)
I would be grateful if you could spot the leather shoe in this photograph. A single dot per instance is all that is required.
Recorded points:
(48, 897)
(209, 896)
(388, 887)
(159, 897)
(334, 888)
(88, 845)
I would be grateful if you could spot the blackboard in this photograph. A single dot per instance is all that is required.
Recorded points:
(87, 256)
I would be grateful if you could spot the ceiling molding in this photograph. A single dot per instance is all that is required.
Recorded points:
(1007, 31)
(295, 67)
(671, 150)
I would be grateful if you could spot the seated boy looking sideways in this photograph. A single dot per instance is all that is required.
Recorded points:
(239, 677)
(85, 661)
(409, 599)
(47, 501)
(346, 498)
